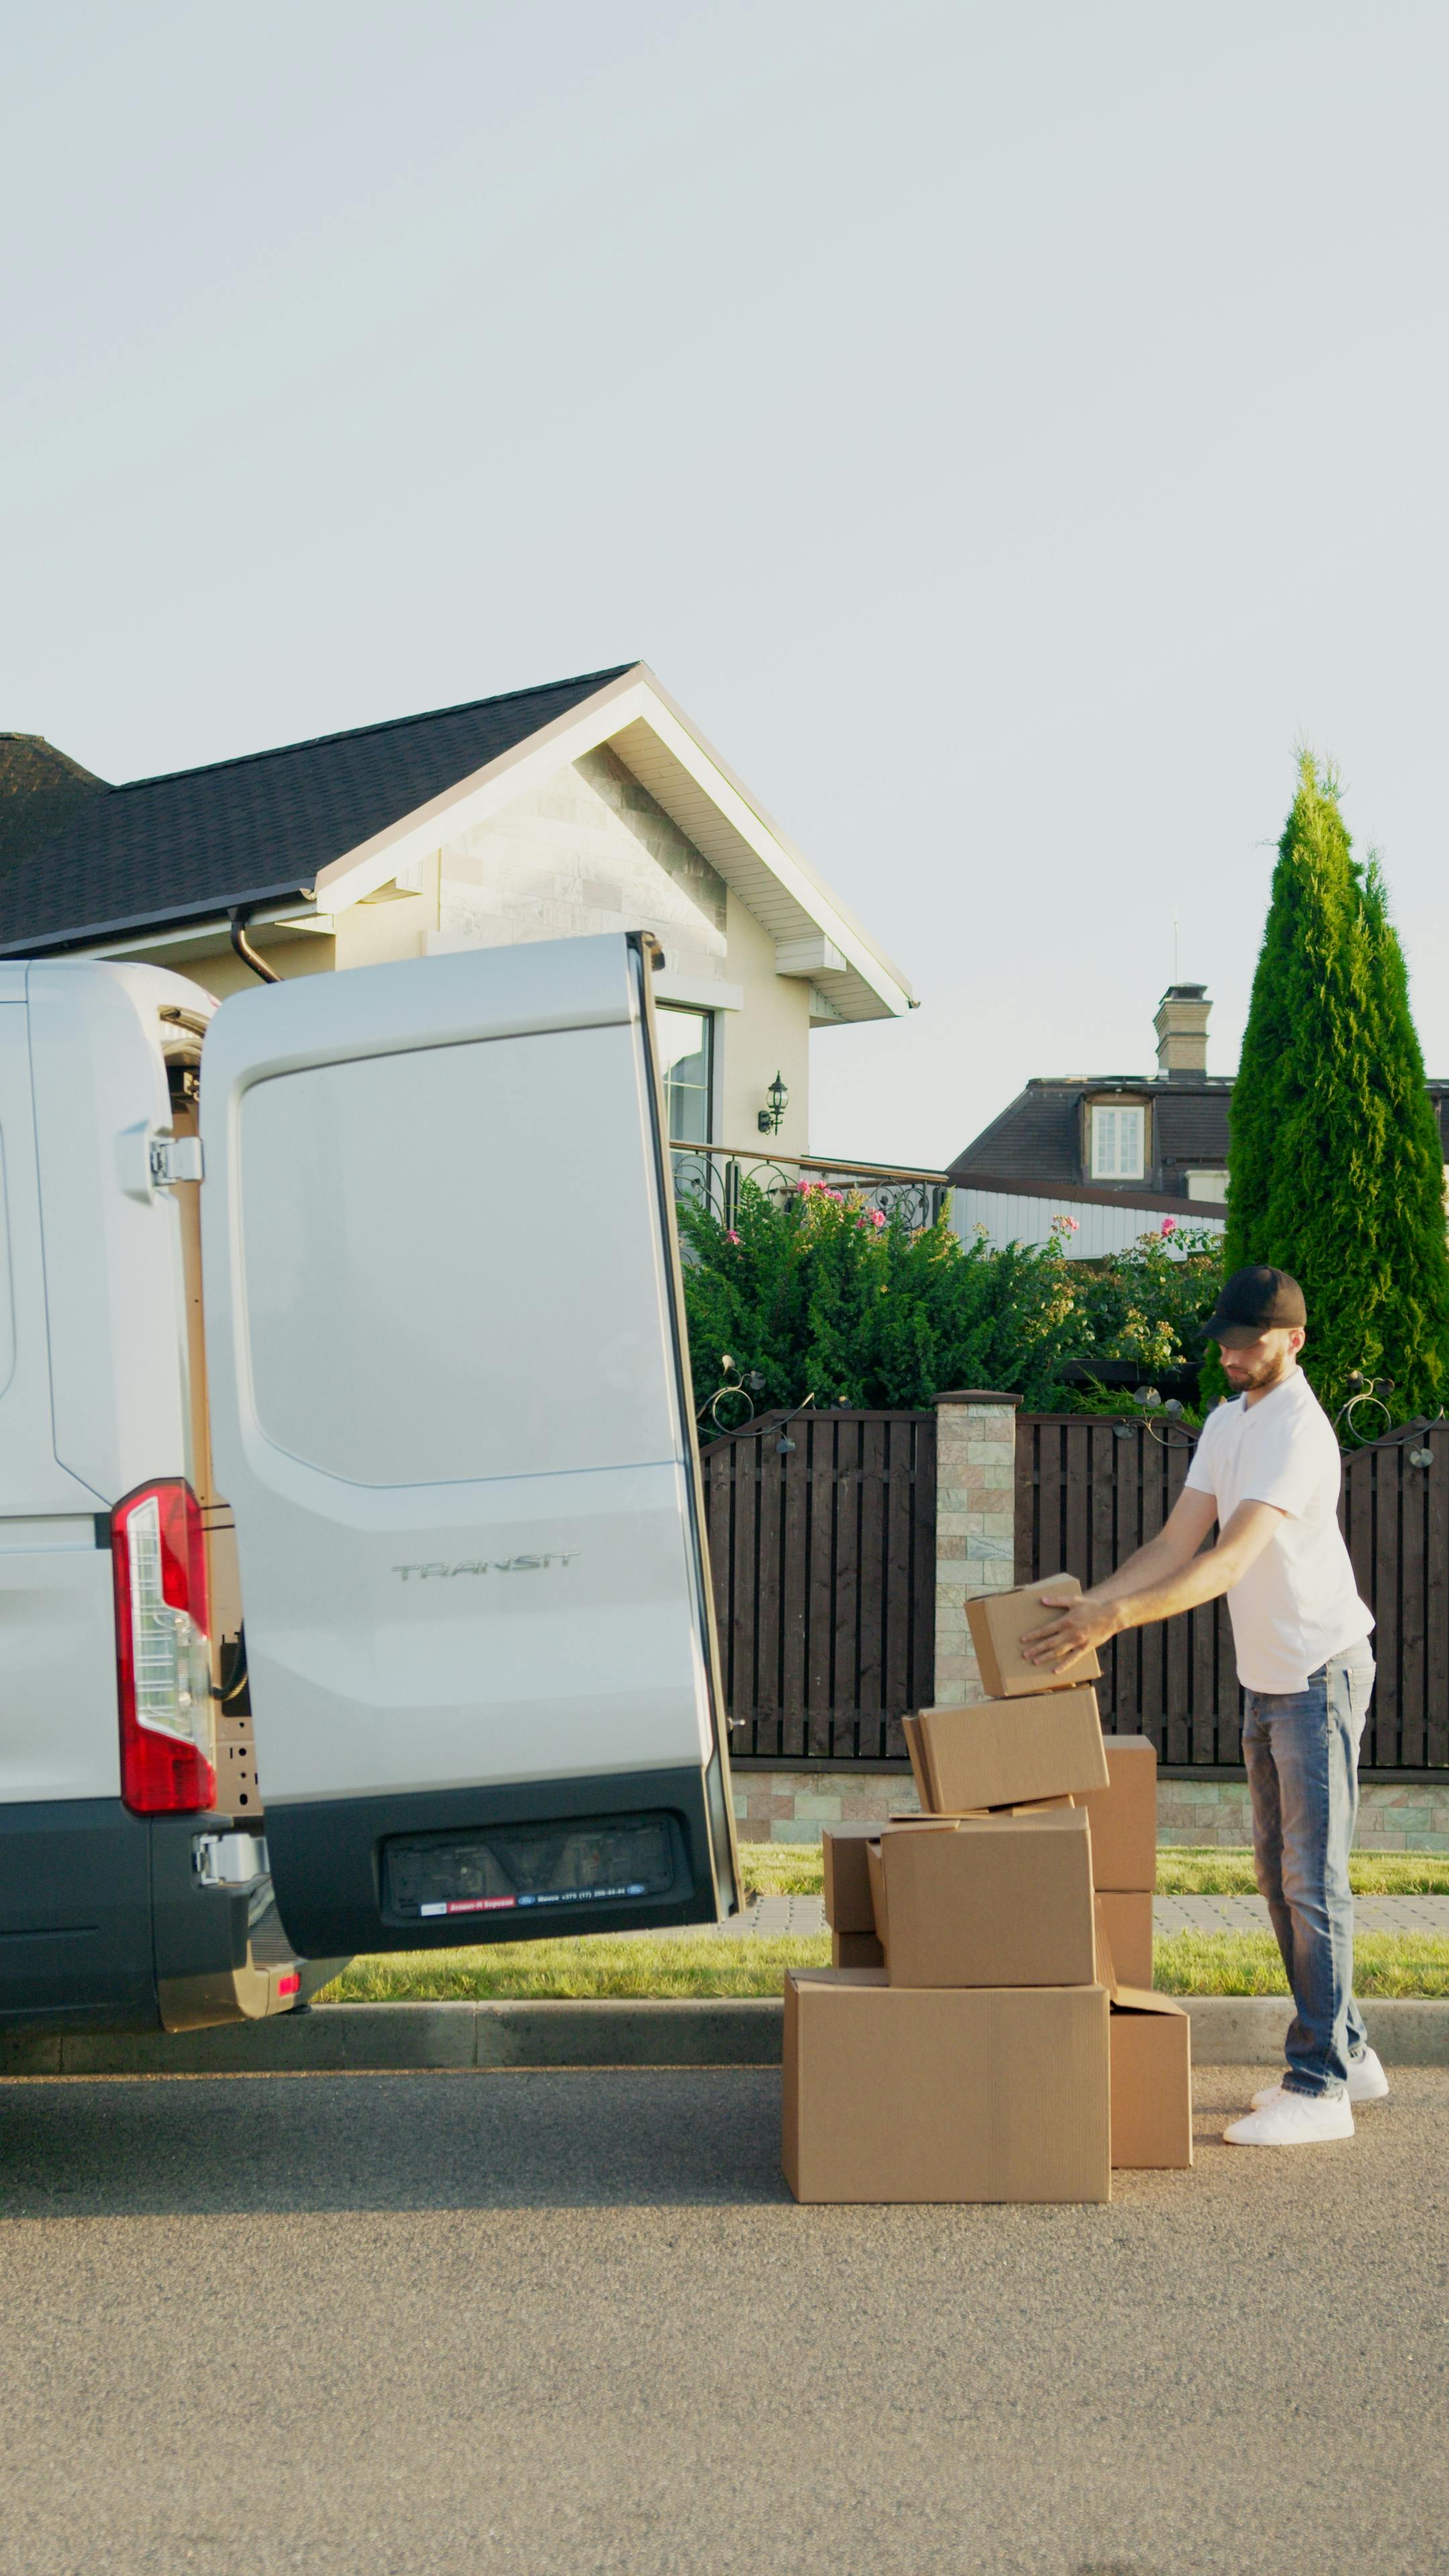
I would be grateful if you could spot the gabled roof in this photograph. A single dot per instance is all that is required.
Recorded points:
(41, 790)
(325, 823)
(255, 829)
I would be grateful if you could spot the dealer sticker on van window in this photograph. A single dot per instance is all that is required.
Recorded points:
(470, 1905)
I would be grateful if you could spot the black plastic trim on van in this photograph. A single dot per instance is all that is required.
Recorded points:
(331, 1875)
(95, 1904)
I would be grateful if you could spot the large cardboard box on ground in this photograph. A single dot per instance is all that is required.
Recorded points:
(945, 2093)
(999, 1620)
(989, 1901)
(1127, 1916)
(1005, 1753)
(1151, 2043)
(1124, 1815)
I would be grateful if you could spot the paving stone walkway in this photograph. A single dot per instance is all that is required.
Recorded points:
(800, 1915)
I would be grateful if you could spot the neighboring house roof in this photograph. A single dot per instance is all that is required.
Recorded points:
(1035, 1147)
(324, 823)
(41, 790)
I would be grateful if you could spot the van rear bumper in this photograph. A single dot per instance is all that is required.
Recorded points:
(105, 1924)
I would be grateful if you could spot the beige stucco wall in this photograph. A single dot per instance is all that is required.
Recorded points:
(592, 852)
(770, 1035)
(222, 971)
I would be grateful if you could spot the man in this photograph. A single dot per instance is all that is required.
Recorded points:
(1267, 1470)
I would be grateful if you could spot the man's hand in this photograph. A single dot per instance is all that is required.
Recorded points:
(1083, 1623)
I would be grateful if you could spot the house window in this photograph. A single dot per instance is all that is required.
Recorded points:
(1207, 1185)
(1117, 1144)
(686, 1041)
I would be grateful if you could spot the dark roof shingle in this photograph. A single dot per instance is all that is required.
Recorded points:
(257, 828)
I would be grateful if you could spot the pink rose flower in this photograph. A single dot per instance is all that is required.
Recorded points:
(1169, 1225)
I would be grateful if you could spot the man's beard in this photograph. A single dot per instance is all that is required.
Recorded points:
(1268, 1372)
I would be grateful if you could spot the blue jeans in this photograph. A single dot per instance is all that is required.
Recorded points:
(1301, 1750)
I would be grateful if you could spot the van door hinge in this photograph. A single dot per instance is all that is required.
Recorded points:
(229, 1860)
(175, 1158)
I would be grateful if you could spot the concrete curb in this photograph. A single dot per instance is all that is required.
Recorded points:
(342, 2039)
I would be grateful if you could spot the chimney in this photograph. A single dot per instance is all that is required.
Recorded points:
(1181, 1025)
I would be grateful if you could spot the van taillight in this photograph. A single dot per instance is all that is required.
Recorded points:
(162, 1650)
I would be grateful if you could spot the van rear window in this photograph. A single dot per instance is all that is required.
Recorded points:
(452, 1262)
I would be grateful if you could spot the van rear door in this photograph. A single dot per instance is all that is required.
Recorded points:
(450, 1408)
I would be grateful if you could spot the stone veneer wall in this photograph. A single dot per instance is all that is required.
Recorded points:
(975, 1526)
(791, 1807)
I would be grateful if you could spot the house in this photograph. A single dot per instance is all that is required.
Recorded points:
(586, 805)
(1117, 1153)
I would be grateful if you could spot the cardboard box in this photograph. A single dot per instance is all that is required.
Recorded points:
(856, 1950)
(1106, 1966)
(1124, 1815)
(911, 1729)
(847, 1875)
(847, 1882)
(990, 1901)
(1005, 1753)
(999, 1620)
(1151, 2045)
(945, 2093)
(1127, 1918)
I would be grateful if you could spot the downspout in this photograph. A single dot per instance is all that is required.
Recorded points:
(244, 949)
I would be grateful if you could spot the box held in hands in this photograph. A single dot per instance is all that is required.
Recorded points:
(999, 1620)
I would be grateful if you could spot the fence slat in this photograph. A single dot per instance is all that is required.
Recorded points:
(822, 1564)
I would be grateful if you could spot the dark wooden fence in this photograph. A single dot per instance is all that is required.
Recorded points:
(1089, 1490)
(822, 1542)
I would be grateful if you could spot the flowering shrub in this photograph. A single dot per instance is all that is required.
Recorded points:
(815, 1293)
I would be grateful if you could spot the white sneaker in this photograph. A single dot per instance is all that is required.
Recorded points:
(1294, 2120)
(1367, 2082)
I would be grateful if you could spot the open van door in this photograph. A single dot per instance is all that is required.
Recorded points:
(451, 1410)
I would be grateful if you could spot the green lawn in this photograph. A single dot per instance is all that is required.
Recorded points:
(617, 1963)
(793, 1869)
(704, 1964)
(1247, 1963)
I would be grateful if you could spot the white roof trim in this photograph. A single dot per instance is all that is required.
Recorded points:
(655, 740)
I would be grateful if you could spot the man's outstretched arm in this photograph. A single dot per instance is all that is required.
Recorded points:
(1157, 1582)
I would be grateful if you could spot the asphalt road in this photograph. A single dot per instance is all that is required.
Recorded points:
(552, 2324)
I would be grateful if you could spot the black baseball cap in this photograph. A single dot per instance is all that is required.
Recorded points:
(1256, 1300)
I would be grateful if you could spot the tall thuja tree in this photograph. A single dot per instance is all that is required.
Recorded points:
(1336, 1161)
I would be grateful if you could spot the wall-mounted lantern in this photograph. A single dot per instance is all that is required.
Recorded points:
(779, 1100)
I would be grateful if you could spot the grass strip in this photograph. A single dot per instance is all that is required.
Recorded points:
(1187, 1870)
(794, 1869)
(708, 1964)
(610, 1963)
(1247, 1963)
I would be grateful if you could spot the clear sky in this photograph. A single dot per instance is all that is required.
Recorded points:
(1007, 429)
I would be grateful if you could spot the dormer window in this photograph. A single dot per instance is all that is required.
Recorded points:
(1117, 1144)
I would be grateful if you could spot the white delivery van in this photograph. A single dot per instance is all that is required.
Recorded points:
(352, 1582)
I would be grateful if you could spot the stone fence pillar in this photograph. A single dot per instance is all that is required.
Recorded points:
(975, 1525)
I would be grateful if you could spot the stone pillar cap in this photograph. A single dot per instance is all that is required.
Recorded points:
(975, 1395)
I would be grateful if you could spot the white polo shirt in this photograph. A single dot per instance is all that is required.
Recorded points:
(1298, 1602)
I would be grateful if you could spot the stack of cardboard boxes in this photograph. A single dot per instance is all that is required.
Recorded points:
(971, 2040)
